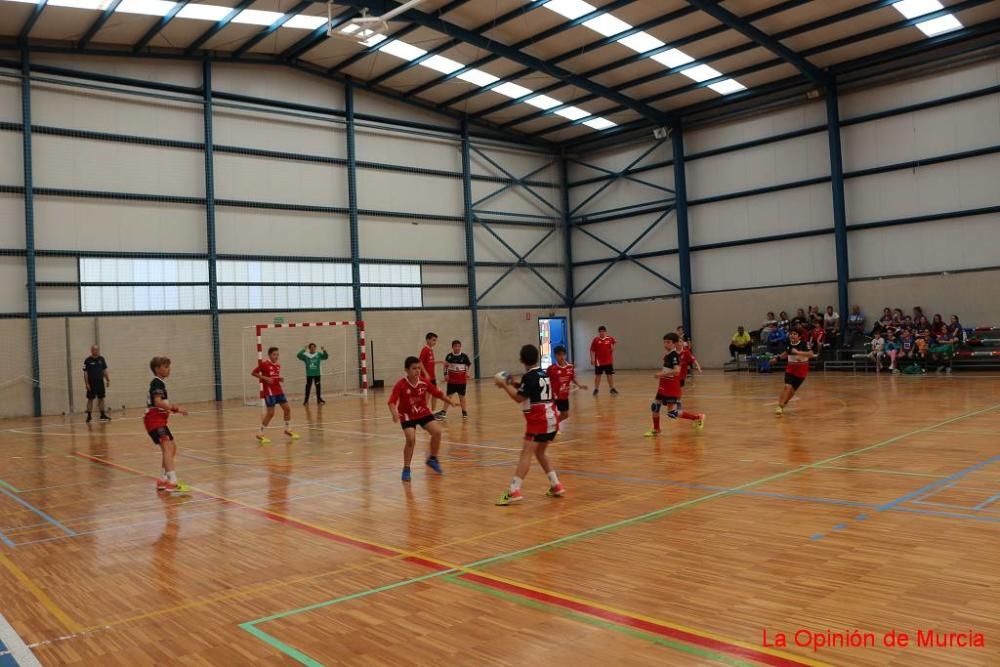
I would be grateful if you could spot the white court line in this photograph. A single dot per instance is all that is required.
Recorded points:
(16, 648)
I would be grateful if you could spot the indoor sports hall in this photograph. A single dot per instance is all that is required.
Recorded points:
(500, 332)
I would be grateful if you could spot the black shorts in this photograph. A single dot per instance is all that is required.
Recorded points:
(793, 380)
(96, 392)
(605, 370)
(456, 389)
(159, 433)
(541, 437)
(562, 405)
(413, 423)
(665, 400)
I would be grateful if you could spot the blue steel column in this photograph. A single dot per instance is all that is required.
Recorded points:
(352, 204)
(470, 241)
(683, 238)
(29, 228)
(839, 208)
(567, 246)
(213, 276)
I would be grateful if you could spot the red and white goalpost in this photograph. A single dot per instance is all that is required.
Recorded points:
(340, 372)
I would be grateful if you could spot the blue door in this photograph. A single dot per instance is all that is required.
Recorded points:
(552, 332)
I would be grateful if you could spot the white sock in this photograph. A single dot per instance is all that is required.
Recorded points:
(288, 426)
(553, 479)
(515, 484)
(172, 476)
(163, 473)
(262, 427)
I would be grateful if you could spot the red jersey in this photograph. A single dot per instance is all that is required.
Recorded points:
(411, 399)
(603, 350)
(687, 361)
(268, 370)
(540, 414)
(670, 387)
(427, 363)
(799, 367)
(561, 377)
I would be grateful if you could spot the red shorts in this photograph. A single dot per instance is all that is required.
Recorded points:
(154, 419)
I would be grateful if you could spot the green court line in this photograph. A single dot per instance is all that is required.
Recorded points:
(274, 642)
(642, 518)
(600, 623)
(12, 488)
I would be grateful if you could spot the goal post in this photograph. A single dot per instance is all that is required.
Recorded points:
(344, 366)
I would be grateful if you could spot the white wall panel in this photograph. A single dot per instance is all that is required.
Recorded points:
(12, 217)
(638, 328)
(89, 224)
(517, 200)
(13, 281)
(951, 186)
(757, 127)
(764, 264)
(761, 166)
(621, 193)
(621, 233)
(521, 239)
(59, 300)
(411, 193)
(626, 280)
(619, 157)
(153, 69)
(445, 297)
(290, 181)
(100, 111)
(281, 233)
(64, 162)
(937, 131)
(795, 210)
(518, 163)
(57, 269)
(520, 287)
(276, 83)
(415, 151)
(412, 239)
(370, 103)
(257, 129)
(935, 86)
(11, 165)
(943, 245)
(10, 99)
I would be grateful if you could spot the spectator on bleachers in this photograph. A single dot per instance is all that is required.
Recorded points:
(783, 321)
(816, 338)
(878, 351)
(907, 349)
(831, 324)
(955, 329)
(918, 312)
(777, 340)
(770, 324)
(943, 346)
(740, 343)
(897, 317)
(891, 350)
(886, 320)
(855, 326)
(799, 319)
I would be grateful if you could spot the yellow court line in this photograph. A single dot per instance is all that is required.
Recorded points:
(41, 596)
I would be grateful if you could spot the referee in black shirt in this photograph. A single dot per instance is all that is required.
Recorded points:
(96, 379)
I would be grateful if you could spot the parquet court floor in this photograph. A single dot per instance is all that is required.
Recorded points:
(873, 505)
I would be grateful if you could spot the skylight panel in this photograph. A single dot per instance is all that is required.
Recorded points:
(911, 9)
(672, 58)
(727, 86)
(512, 90)
(350, 28)
(401, 49)
(641, 42)
(940, 25)
(27, 2)
(148, 7)
(478, 77)
(257, 17)
(572, 113)
(701, 73)
(543, 102)
(81, 4)
(442, 64)
(607, 25)
(304, 22)
(203, 12)
(373, 38)
(571, 9)
(599, 123)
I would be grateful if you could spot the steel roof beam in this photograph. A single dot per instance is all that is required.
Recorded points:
(260, 36)
(98, 24)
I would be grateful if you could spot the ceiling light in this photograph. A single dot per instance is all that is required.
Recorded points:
(607, 25)
(512, 90)
(543, 102)
(673, 58)
(599, 123)
(573, 113)
(442, 64)
(373, 38)
(727, 86)
(304, 22)
(257, 17)
(81, 4)
(203, 12)
(478, 77)
(641, 42)
(350, 28)
(701, 73)
(402, 50)
(571, 9)
(911, 9)
(940, 25)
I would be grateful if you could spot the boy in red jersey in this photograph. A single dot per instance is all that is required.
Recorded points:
(158, 410)
(428, 370)
(798, 355)
(687, 361)
(562, 374)
(668, 394)
(458, 367)
(268, 373)
(602, 358)
(534, 393)
(408, 407)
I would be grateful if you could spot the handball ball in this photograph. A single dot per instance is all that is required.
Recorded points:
(503, 376)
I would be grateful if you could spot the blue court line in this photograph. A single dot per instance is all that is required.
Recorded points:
(951, 505)
(6, 540)
(37, 511)
(958, 475)
(989, 501)
(954, 515)
(934, 492)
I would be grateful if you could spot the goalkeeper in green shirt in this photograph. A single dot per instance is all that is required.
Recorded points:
(313, 360)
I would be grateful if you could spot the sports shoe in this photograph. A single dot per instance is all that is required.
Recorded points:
(104, 418)
(651, 433)
(510, 497)
(700, 424)
(293, 435)
(434, 465)
(89, 418)
(406, 474)
(175, 487)
(161, 484)
(440, 415)
(263, 439)
(947, 370)
(779, 411)
(556, 491)
(614, 392)
(595, 392)
(465, 415)
(305, 402)
(320, 401)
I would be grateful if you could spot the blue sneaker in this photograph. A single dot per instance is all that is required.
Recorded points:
(433, 464)
(406, 474)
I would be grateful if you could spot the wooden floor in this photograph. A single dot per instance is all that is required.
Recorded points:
(874, 505)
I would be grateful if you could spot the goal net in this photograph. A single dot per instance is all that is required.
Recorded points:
(344, 371)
